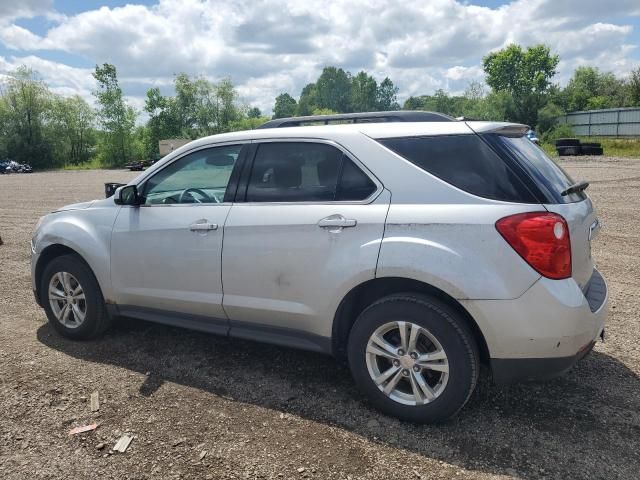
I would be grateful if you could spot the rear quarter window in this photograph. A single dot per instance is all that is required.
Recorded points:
(548, 176)
(464, 161)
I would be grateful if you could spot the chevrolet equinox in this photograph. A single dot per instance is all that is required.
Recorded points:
(410, 245)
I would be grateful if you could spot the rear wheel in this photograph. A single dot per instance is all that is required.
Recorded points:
(72, 298)
(414, 358)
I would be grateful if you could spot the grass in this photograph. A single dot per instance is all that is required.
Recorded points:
(612, 147)
(92, 164)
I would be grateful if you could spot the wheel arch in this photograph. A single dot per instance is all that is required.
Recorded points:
(367, 292)
(50, 253)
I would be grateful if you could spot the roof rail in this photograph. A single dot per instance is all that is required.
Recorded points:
(365, 117)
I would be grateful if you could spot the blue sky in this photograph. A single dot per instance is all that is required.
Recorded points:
(268, 47)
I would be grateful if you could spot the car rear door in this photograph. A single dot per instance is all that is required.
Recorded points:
(305, 228)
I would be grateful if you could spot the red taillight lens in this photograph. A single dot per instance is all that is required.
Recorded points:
(542, 239)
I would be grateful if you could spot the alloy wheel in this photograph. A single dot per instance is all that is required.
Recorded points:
(407, 363)
(67, 299)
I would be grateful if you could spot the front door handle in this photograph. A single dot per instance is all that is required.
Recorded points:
(203, 226)
(337, 221)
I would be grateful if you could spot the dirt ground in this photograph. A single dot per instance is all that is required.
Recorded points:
(205, 407)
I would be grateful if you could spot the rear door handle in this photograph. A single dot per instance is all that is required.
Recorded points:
(337, 221)
(203, 226)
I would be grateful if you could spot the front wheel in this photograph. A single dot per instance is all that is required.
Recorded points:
(72, 298)
(414, 358)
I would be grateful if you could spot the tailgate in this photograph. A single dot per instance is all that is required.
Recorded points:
(583, 225)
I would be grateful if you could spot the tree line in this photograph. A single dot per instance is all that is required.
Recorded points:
(48, 130)
(338, 91)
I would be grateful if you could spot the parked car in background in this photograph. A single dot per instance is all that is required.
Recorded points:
(410, 245)
(140, 165)
(10, 166)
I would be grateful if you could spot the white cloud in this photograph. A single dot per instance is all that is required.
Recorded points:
(280, 45)
(24, 8)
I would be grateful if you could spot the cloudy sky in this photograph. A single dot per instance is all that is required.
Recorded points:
(268, 47)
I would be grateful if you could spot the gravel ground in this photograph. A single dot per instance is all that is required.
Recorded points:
(201, 407)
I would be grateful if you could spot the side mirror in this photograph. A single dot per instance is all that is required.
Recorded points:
(127, 195)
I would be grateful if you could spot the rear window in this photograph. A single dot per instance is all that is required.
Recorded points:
(464, 161)
(547, 174)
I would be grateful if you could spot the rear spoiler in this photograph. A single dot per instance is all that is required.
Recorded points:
(505, 129)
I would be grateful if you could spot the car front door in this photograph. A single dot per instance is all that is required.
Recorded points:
(166, 253)
(306, 227)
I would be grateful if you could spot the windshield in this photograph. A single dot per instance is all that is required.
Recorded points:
(547, 174)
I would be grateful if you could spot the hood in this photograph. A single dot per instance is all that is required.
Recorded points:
(75, 206)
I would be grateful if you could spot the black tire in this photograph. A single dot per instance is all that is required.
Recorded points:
(568, 151)
(97, 320)
(591, 144)
(448, 328)
(591, 150)
(567, 142)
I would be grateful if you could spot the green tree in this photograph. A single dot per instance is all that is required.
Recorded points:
(412, 103)
(548, 117)
(24, 106)
(199, 108)
(254, 112)
(247, 123)
(116, 117)
(286, 106)
(591, 89)
(584, 85)
(308, 100)
(70, 127)
(387, 95)
(162, 122)
(525, 75)
(184, 104)
(333, 90)
(226, 107)
(634, 86)
(364, 93)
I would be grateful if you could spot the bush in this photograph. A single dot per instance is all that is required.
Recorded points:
(548, 117)
(559, 131)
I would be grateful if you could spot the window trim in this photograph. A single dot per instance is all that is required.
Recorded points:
(245, 146)
(245, 176)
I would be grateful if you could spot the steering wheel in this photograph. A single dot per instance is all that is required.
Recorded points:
(205, 197)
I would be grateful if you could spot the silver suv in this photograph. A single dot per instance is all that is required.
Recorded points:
(411, 245)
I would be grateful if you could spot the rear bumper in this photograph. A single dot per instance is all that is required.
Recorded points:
(507, 370)
(545, 331)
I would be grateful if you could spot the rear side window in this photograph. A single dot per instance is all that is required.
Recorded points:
(305, 172)
(354, 183)
(464, 161)
(548, 175)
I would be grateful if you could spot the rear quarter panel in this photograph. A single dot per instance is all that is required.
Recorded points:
(455, 248)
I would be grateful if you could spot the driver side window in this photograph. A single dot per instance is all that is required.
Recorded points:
(198, 177)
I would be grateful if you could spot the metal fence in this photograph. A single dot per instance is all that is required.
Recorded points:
(610, 122)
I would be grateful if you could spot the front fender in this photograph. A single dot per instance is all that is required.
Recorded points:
(87, 232)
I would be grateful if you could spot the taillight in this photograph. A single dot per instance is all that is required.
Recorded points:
(541, 239)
